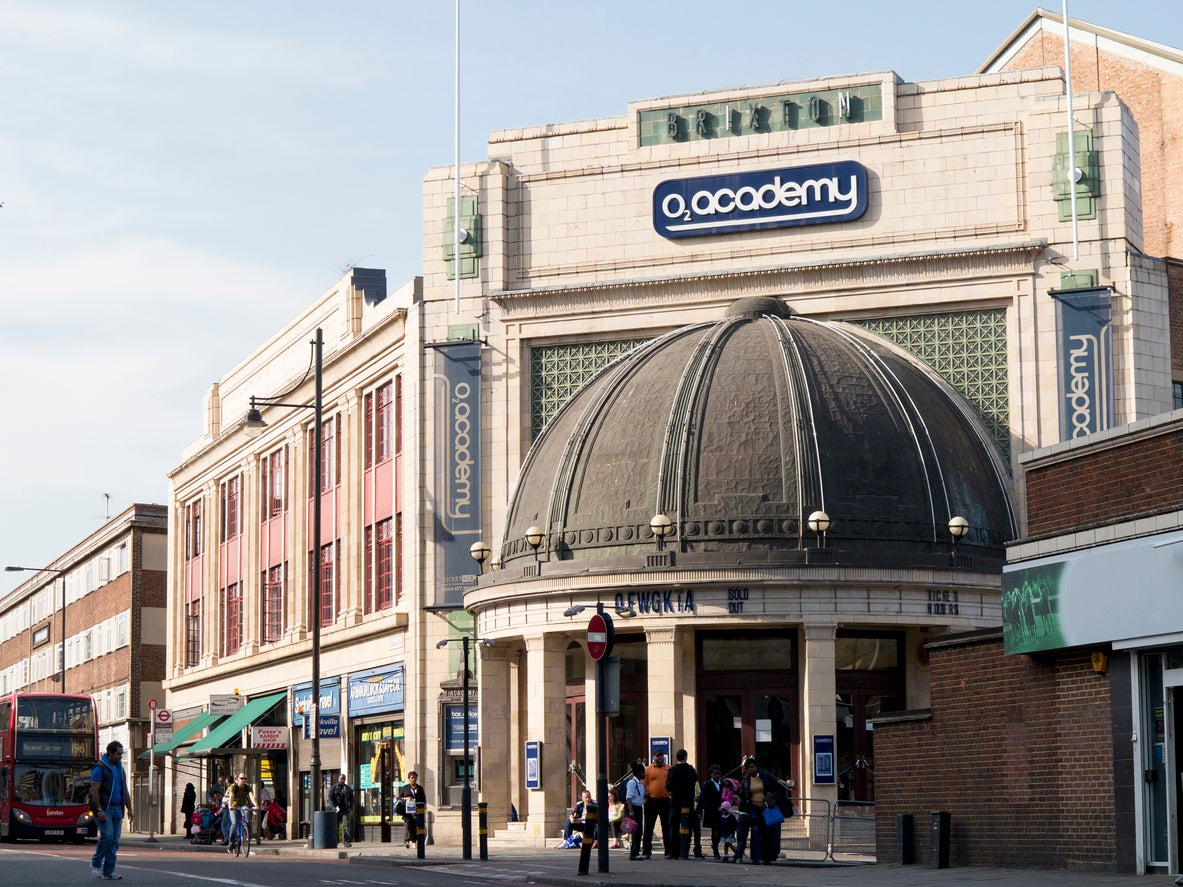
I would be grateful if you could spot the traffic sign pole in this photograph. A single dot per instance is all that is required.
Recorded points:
(600, 637)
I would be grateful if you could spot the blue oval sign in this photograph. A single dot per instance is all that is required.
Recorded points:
(776, 198)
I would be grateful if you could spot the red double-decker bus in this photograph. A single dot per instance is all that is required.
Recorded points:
(48, 745)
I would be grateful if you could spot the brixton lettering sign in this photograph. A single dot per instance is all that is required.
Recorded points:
(777, 198)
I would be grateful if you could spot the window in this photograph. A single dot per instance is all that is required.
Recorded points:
(230, 511)
(231, 619)
(384, 567)
(330, 455)
(328, 601)
(274, 581)
(193, 635)
(384, 424)
(193, 529)
(274, 475)
(122, 559)
(398, 415)
(1177, 395)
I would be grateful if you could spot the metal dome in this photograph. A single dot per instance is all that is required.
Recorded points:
(738, 430)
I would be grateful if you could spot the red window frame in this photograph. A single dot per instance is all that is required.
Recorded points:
(274, 582)
(193, 635)
(231, 500)
(231, 619)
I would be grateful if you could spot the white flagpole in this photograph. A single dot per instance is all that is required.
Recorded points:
(1071, 139)
(456, 200)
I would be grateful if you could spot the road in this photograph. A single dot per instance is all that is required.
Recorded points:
(57, 865)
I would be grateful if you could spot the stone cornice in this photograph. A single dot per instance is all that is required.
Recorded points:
(804, 279)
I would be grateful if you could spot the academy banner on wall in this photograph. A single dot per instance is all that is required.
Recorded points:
(457, 432)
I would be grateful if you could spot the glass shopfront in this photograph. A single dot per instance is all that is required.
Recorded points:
(375, 705)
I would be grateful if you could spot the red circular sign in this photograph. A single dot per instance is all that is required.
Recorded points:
(164, 716)
(599, 637)
(152, 704)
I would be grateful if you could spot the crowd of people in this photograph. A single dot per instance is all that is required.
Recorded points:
(741, 815)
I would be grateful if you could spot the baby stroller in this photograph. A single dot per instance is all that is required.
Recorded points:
(203, 826)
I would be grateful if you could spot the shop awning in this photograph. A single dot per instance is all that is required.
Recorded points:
(183, 735)
(233, 725)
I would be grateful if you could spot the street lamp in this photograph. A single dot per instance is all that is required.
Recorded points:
(819, 522)
(661, 526)
(253, 426)
(534, 537)
(958, 527)
(466, 794)
(62, 663)
(480, 553)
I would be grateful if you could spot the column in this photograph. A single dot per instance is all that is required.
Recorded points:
(496, 733)
(667, 686)
(545, 701)
(819, 687)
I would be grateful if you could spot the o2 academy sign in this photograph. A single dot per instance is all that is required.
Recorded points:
(752, 201)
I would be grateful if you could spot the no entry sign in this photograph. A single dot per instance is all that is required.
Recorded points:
(599, 636)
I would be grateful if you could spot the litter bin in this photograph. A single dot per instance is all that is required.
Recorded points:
(324, 830)
(940, 840)
(905, 838)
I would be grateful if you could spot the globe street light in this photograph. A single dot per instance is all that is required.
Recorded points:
(252, 426)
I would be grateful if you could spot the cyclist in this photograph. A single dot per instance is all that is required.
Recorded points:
(240, 801)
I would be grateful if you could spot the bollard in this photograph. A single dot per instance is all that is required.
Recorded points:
(483, 822)
(684, 831)
(939, 858)
(589, 838)
(905, 838)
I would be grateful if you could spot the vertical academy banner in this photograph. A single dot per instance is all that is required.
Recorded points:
(458, 467)
(1086, 362)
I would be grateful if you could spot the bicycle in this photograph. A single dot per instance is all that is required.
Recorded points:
(241, 830)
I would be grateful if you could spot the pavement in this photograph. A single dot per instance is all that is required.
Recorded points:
(560, 867)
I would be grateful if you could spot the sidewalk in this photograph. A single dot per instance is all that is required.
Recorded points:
(561, 867)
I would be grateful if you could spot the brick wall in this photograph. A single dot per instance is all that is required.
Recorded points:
(1153, 96)
(1019, 750)
(1142, 476)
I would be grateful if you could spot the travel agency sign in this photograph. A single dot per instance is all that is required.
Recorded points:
(752, 201)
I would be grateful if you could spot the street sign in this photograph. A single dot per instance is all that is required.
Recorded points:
(163, 717)
(599, 636)
(152, 705)
(224, 704)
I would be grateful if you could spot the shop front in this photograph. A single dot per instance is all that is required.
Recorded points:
(378, 741)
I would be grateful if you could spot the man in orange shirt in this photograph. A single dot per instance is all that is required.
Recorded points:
(657, 806)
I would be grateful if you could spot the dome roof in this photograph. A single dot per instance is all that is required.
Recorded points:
(739, 429)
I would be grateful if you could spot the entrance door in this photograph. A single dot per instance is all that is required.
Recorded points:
(750, 722)
(747, 692)
(856, 742)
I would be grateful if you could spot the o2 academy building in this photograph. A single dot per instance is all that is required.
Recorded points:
(754, 368)
(750, 369)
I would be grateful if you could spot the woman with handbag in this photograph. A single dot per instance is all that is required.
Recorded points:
(757, 791)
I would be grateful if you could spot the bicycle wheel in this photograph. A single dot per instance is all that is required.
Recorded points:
(246, 836)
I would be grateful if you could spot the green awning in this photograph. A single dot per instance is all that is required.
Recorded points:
(233, 725)
(191, 729)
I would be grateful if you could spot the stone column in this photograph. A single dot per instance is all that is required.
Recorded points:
(667, 686)
(545, 700)
(819, 688)
(496, 732)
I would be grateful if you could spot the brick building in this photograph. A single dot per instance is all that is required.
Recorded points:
(112, 584)
(1076, 694)
(1055, 741)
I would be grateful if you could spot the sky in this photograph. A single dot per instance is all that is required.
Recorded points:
(179, 179)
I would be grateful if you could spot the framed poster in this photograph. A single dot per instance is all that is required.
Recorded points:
(823, 759)
(533, 764)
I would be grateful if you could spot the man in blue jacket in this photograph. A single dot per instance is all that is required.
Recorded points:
(110, 796)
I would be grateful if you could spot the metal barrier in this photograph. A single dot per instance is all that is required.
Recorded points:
(853, 832)
(820, 831)
(807, 834)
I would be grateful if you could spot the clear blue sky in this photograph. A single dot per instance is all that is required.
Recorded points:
(178, 179)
